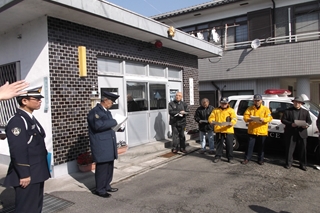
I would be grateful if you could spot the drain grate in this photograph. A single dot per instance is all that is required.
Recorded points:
(168, 155)
(51, 204)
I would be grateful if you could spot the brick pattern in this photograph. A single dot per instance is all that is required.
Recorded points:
(70, 94)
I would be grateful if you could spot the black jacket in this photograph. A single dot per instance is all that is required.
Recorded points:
(28, 152)
(174, 108)
(203, 114)
(288, 119)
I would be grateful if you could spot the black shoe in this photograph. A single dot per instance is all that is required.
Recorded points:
(183, 151)
(174, 151)
(245, 162)
(260, 162)
(112, 190)
(304, 168)
(287, 166)
(106, 195)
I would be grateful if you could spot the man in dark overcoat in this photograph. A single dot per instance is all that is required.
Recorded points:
(28, 168)
(295, 133)
(103, 143)
(178, 111)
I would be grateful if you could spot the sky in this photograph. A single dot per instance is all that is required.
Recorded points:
(155, 7)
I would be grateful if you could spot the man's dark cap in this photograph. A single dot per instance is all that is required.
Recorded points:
(32, 92)
(298, 99)
(224, 100)
(111, 96)
(257, 97)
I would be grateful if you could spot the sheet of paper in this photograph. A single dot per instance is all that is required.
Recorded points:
(220, 123)
(120, 120)
(301, 123)
(203, 121)
(255, 118)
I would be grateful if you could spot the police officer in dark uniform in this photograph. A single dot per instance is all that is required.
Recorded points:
(103, 143)
(28, 168)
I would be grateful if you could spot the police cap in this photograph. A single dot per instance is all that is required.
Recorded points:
(224, 100)
(111, 96)
(32, 92)
(257, 97)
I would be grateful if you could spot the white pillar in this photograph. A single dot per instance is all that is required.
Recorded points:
(303, 86)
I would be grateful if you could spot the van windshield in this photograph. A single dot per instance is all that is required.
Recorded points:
(312, 107)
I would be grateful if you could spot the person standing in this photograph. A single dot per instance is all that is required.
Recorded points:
(257, 129)
(221, 114)
(296, 134)
(205, 128)
(28, 168)
(103, 143)
(178, 111)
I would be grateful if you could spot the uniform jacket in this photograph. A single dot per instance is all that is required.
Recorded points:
(318, 122)
(256, 128)
(220, 115)
(103, 140)
(203, 114)
(288, 119)
(174, 108)
(28, 152)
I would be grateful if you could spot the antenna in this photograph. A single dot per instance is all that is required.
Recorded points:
(255, 44)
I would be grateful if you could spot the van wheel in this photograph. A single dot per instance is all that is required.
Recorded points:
(235, 144)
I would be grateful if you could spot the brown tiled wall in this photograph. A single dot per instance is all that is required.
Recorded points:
(70, 94)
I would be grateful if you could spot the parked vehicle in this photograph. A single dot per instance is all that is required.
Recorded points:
(277, 101)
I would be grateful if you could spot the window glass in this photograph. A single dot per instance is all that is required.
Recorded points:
(242, 33)
(307, 23)
(136, 69)
(232, 103)
(277, 108)
(157, 96)
(172, 73)
(243, 106)
(312, 107)
(137, 96)
(157, 71)
(108, 66)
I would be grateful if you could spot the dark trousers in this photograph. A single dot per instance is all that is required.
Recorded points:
(103, 176)
(302, 150)
(251, 142)
(29, 199)
(228, 138)
(178, 138)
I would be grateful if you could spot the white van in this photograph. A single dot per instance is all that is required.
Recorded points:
(277, 101)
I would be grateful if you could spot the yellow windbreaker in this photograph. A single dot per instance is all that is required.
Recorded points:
(220, 115)
(255, 128)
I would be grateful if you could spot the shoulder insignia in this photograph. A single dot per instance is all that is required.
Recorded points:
(16, 131)
(97, 116)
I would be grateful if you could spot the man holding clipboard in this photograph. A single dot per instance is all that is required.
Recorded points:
(297, 120)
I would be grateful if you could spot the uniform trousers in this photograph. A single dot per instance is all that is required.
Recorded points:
(302, 150)
(252, 140)
(29, 199)
(103, 176)
(228, 138)
(178, 137)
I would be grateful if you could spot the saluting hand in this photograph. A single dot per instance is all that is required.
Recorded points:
(8, 91)
(24, 182)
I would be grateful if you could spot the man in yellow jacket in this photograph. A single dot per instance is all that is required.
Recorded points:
(223, 118)
(258, 117)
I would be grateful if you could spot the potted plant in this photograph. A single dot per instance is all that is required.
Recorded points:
(85, 162)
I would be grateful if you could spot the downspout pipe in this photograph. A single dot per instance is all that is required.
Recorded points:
(218, 90)
(274, 18)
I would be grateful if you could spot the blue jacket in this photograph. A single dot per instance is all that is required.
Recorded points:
(27, 150)
(103, 140)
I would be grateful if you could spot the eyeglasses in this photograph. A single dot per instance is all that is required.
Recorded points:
(35, 99)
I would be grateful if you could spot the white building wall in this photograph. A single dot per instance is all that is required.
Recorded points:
(29, 45)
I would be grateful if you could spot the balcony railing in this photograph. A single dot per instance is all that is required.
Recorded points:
(275, 40)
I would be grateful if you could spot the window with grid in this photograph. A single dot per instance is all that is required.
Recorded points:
(8, 72)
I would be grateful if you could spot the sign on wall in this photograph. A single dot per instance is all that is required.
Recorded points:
(191, 91)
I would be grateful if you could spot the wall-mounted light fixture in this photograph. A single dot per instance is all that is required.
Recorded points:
(171, 31)
(82, 61)
(158, 44)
